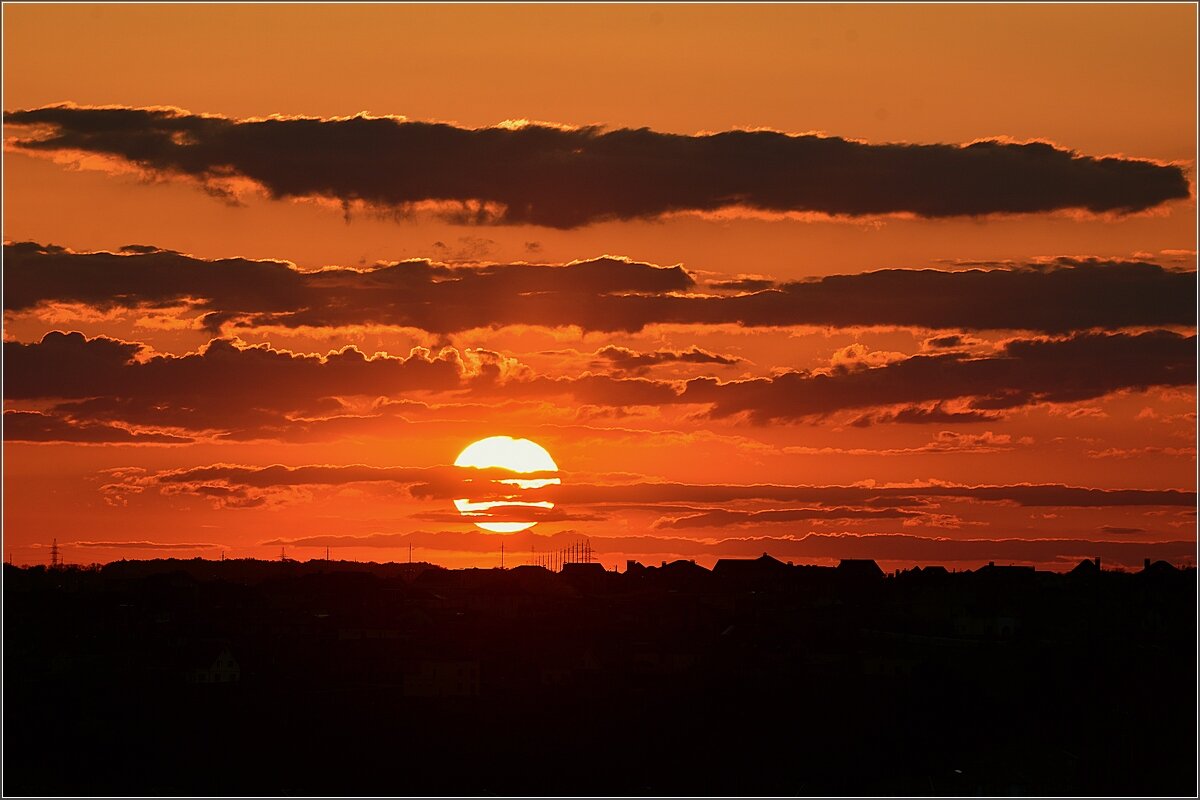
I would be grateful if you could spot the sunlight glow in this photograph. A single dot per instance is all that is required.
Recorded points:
(517, 455)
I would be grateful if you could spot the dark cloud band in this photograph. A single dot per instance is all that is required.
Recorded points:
(564, 178)
(1024, 372)
(446, 482)
(603, 294)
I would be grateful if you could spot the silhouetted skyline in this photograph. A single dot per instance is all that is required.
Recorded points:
(407, 678)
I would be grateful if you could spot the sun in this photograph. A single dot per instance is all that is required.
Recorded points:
(517, 455)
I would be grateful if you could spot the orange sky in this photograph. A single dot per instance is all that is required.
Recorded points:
(1033, 391)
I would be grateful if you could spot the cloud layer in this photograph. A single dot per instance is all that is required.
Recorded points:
(245, 391)
(567, 177)
(446, 483)
(1023, 372)
(601, 294)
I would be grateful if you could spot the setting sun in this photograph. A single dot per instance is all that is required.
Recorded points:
(517, 455)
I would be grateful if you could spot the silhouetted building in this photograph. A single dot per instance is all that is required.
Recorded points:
(859, 569)
(763, 570)
(209, 662)
(1159, 569)
(591, 569)
(1017, 573)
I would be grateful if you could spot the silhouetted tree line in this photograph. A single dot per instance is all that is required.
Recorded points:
(244, 677)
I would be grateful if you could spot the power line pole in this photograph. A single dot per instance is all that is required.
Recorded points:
(55, 557)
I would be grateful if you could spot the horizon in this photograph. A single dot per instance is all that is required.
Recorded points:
(889, 568)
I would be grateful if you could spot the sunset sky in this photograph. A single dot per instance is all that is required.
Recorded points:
(906, 282)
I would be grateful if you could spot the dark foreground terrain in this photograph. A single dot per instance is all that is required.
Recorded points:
(336, 678)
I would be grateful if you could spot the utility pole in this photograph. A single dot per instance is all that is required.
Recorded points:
(502, 555)
(410, 553)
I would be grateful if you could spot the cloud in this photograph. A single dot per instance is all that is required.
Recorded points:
(567, 177)
(233, 390)
(445, 482)
(626, 360)
(240, 486)
(227, 387)
(1114, 529)
(1029, 495)
(742, 284)
(510, 513)
(33, 426)
(943, 442)
(952, 340)
(601, 294)
(1141, 452)
(937, 414)
(414, 294)
(1023, 372)
(469, 540)
(143, 545)
(722, 517)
